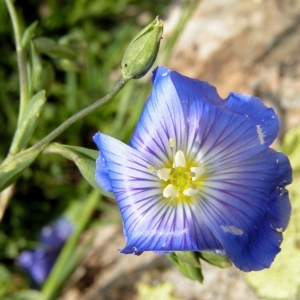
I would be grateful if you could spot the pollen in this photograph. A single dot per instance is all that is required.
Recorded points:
(171, 142)
(151, 168)
(182, 181)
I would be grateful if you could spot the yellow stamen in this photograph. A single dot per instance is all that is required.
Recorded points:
(170, 191)
(164, 174)
(182, 181)
(179, 160)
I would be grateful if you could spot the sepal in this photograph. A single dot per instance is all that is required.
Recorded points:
(215, 259)
(188, 264)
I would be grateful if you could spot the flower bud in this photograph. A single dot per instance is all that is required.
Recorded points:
(142, 51)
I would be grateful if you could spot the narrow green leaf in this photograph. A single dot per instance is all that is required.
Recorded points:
(28, 34)
(85, 160)
(51, 48)
(14, 165)
(28, 122)
(93, 154)
(24, 295)
(63, 268)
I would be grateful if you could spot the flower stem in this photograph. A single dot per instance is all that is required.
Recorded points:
(21, 58)
(81, 114)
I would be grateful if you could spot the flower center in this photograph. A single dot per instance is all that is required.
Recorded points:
(182, 182)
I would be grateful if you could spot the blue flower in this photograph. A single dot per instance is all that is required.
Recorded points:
(198, 174)
(39, 262)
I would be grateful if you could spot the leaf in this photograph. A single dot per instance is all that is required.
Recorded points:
(29, 33)
(42, 71)
(189, 271)
(51, 48)
(28, 122)
(93, 154)
(14, 165)
(24, 295)
(85, 160)
(69, 257)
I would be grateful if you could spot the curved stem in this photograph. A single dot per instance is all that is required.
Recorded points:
(86, 111)
(23, 80)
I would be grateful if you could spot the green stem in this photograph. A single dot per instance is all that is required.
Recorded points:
(58, 274)
(81, 114)
(21, 58)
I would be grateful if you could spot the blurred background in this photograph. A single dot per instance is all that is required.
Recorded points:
(244, 46)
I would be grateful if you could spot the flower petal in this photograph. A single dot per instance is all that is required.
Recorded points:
(160, 121)
(165, 116)
(265, 119)
(101, 175)
(218, 136)
(150, 223)
(55, 234)
(247, 208)
(37, 264)
(192, 113)
(162, 228)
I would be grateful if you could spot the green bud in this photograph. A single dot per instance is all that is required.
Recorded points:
(142, 51)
